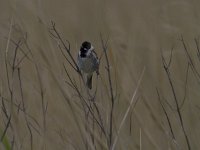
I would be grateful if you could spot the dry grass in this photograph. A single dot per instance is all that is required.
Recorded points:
(44, 102)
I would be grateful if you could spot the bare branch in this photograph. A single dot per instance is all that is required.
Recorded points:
(165, 112)
(6, 128)
(104, 46)
(190, 59)
(176, 101)
(56, 34)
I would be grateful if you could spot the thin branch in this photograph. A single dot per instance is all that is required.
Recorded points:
(23, 105)
(67, 48)
(185, 87)
(87, 105)
(166, 68)
(42, 93)
(105, 46)
(20, 109)
(197, 45)
(15, 55)
(67, 58)
(21, 60)
(6, 128)
(4, 108)
(20, 48)
(165, 112)
(190, 59)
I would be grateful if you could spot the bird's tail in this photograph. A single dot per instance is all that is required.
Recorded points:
(89, 81)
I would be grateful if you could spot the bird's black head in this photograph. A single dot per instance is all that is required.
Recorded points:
(84, 48)
(86, 45)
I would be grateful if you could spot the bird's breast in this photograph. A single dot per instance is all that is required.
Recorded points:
(87, 64)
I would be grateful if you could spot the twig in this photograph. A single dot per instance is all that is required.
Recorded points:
(105, 46)
(15, 55)
(23, 105)
(190, 59)
(166, 68)
(197, 45)
(165, 112)
(67, 48)
(42, 92)
(86, 104)
(20, 109)
(6, 128)
(185, 89)
(20, 48)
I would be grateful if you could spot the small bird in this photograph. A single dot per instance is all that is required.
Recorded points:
(88, 62)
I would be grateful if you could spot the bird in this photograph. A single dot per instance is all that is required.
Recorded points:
(88, 62)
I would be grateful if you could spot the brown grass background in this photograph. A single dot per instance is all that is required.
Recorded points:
(138, 32)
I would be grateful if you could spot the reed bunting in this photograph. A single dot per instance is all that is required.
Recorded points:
(88, 62)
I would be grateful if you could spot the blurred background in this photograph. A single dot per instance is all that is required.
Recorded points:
(139, 33)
